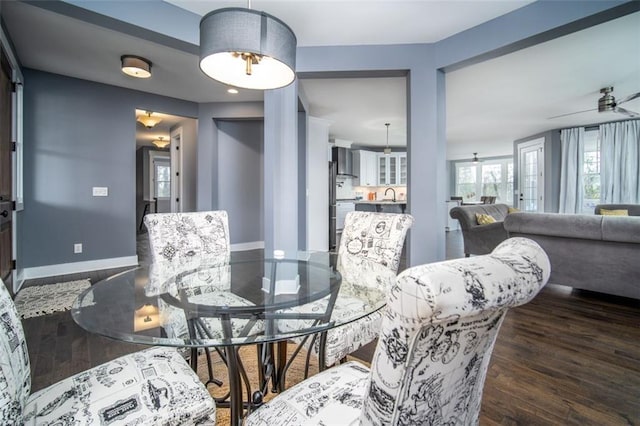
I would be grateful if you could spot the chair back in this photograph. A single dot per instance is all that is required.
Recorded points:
(375, 236)
(439, 330)
(182, 237)
(488, 199)
(15, 371)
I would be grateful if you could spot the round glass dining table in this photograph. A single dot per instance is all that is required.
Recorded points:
(204, 304)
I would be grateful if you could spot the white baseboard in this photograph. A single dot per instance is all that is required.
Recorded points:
(76, 267)
(254, 245)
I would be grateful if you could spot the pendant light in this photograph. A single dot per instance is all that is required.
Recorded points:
(160, 142)
(475, 158)
(387, 150)
(148, 121)
(247, 48)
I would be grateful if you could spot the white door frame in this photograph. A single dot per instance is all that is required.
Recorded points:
(523, 149)
(176, 170)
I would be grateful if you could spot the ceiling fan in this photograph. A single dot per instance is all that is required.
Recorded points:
(607, 103)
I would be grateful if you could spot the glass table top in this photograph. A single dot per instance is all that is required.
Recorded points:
(201, 303)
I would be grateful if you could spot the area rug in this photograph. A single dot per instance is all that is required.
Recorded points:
(248, 354)
(46, 299)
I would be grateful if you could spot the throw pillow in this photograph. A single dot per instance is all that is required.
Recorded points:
(484, 219)
(606, 212)
(513, 210)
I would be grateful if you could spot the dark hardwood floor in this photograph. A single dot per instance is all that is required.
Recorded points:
(568, 357)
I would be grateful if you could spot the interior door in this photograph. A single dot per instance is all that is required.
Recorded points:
(6, 175)
(531, 176)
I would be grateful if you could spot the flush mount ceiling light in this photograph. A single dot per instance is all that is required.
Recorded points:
(387, 150)
(160, 142)
(135, 66)
(148, 121)
(247, 48)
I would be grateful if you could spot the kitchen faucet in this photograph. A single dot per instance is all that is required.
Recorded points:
(394, 193)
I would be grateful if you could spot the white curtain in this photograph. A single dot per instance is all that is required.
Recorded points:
(620, 159)
(571, 183)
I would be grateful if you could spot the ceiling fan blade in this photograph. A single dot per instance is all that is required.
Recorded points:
(630, 98)
(626, 112)
(571, 113)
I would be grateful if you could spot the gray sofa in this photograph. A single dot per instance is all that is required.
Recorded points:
(481, 239)
(597, 253)
(633, 209)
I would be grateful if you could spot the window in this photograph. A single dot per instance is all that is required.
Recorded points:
(162, 179)
(489, 177)
(591, 171)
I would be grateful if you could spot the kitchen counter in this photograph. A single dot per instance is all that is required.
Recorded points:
(381, 202)
(382, 206)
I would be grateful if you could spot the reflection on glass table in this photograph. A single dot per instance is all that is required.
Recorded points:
(257, 301)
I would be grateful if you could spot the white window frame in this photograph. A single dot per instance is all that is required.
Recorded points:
(153, 157)
(503, 185)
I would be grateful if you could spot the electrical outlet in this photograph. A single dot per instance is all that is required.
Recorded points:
(77, 248)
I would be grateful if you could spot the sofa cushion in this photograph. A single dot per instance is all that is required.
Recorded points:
(484, 219)
(632, 209)
(619, 212)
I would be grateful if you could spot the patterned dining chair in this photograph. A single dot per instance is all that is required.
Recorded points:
(439, 329)
(187, 240)
(181, 237)
(150, 387)
(377, 237)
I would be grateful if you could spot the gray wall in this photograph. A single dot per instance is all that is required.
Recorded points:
(79, 134)
(240, 178)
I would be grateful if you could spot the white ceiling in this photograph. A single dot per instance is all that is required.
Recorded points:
(488, 105)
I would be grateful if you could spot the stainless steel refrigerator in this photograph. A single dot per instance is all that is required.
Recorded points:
(333, 172)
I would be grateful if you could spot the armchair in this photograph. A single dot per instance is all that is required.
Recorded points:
(151, 387)
(435, 344)
(378, 238)
(481, 239)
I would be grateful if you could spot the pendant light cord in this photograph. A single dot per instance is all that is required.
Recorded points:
(387, 124)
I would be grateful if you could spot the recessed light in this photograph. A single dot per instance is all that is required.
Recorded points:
(232, 91)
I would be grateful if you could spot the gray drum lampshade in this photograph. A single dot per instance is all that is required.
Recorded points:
(247, 48)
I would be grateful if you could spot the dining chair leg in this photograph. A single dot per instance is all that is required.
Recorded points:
(322, 352)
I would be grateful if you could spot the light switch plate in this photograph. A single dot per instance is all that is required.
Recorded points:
(100, 191)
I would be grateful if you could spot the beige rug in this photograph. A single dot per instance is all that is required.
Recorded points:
(46, 299)
(295, 374)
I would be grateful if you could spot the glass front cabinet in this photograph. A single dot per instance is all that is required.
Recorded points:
(392, 169)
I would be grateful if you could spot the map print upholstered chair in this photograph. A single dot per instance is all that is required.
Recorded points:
(183, 241)
(181, 237)
(367, 237)
(437, 335)
(151, 387)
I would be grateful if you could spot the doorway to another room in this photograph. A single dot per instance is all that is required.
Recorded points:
(165, 169)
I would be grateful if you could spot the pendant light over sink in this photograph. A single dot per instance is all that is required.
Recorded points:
(247, 48)
(387, 150)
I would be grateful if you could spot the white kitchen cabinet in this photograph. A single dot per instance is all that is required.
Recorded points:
(365, 167)
(392, 169)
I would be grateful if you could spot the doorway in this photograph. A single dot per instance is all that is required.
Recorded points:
(165, 168)
(531, 176)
